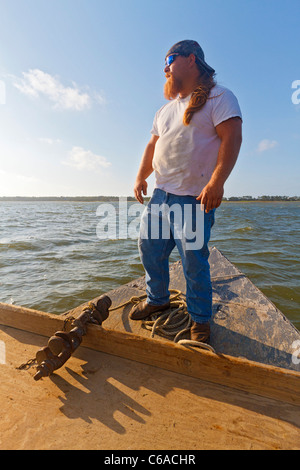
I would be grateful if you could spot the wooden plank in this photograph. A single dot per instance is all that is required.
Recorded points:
(131, 406)
(244, 322)
(237, 373)
(252, 377)
(30, 320)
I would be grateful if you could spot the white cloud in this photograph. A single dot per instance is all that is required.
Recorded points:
(82, 159)
(36, 83)
(266, 144)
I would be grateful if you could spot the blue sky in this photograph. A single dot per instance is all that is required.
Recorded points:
(81, 80)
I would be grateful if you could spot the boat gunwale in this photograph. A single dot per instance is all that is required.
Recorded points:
(234, 372)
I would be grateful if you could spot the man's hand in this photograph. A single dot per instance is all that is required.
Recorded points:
(145, 170)
(211, 196)
(140, 188)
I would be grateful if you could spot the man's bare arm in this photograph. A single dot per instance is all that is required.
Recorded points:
(230, 133)
(145, 170)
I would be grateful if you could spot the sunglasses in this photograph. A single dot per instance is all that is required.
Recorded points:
(170, 59)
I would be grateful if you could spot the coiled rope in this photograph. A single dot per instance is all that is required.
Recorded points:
(171, 324)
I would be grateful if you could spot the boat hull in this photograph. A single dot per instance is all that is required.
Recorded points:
(245, 323)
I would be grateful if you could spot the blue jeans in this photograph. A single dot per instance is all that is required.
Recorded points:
(189, 229)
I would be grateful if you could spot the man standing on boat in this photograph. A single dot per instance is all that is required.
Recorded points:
(195, 142)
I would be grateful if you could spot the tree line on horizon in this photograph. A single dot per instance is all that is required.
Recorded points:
(131, 198)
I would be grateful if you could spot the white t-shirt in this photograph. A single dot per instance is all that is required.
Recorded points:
(185, 156)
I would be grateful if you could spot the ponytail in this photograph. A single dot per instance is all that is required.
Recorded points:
(199, 97)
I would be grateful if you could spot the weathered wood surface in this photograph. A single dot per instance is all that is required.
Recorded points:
(128, 398)
(252, 338)
(245, 322)
(237, 373)
(103, 402)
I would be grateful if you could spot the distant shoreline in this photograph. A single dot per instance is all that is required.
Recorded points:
(131, 198)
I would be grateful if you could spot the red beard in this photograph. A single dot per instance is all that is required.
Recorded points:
(172, 87)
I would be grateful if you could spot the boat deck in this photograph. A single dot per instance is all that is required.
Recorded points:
(100, 401)
(122, 390)
(245, 323)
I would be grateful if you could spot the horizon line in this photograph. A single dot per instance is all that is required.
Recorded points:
(225, 198)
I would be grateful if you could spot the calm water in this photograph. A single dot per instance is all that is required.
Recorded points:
(51, 258)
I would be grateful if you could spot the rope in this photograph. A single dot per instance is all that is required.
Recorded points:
(136, 299)
(228, 277)
(197, 344)
(171, 325)
(177, 322)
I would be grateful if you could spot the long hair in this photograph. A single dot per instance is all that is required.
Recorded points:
(199, 96)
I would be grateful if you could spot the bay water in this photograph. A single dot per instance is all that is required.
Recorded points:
(52, 259)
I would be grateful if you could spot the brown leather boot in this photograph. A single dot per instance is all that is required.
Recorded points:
(200, 332)
(143, 310)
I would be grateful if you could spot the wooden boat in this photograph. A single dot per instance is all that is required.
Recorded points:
(123, 389)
